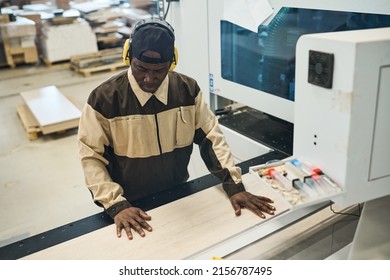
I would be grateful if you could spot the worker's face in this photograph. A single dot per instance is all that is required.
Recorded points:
(149, 76)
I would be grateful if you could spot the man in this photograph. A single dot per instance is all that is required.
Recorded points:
(137, 131)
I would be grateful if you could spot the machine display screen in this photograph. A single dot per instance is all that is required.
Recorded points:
(266, 60)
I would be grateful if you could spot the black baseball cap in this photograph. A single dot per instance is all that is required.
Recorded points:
(152, 36)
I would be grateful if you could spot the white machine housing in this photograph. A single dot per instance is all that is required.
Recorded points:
(345, 129)
(263, 101)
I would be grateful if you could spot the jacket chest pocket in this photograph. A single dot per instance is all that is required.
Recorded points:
(176, 128)
(185, 126)
(134, 136)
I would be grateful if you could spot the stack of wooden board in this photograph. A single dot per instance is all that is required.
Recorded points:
(18, 38)
(60, 42)
(108, 35)
(108, 59)
(46, 110)
(105, 22)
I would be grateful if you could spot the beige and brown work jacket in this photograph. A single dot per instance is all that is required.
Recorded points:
(133, 144)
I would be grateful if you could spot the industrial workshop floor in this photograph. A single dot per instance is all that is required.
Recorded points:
(42, 185)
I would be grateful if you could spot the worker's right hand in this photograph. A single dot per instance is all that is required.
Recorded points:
(132, 218)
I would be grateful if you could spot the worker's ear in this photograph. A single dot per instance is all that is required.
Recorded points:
(126, 55)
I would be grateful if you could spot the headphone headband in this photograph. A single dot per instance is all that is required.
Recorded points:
(152, 21)
(128, 46)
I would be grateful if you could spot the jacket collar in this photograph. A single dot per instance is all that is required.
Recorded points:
(143, 96)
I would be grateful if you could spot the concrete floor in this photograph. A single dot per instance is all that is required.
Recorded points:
(42, 184)
(41, 181)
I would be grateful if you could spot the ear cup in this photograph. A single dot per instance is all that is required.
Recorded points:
(125, 53)
(175, 60)
(162, 23)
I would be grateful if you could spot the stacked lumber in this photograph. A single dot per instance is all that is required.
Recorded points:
(108, 35)
(107, 59)
(105, 22)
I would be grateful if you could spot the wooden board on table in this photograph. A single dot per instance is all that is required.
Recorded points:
(180, 229)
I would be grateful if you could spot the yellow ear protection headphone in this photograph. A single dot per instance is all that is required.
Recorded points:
(140, 24)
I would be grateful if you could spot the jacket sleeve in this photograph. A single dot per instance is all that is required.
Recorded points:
(93, 136)
(214, 150)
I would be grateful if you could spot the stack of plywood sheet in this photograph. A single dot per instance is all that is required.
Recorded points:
(4, 18)
(60, 42)
(18, 38)
(107, 34)
(46, 110)
(105, 22)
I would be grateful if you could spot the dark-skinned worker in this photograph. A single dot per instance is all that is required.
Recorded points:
(137, 131)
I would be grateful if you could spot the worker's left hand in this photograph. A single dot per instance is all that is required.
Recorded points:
(257, 204)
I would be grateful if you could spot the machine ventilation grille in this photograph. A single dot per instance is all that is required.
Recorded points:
(321, 69)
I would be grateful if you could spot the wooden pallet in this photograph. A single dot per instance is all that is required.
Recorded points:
(31, 125)
(49, 63)
(29, 122)
(90, 70)
(19, 55)
(99, 58)
(108, 59)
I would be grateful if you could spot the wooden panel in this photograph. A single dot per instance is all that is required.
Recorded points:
(51, 109)
(180, 229)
